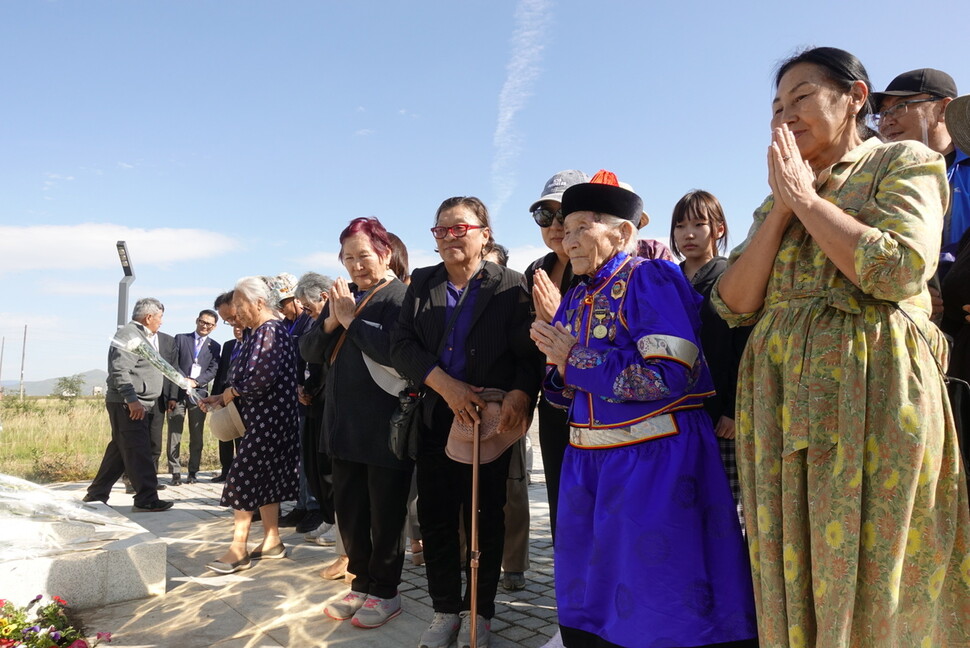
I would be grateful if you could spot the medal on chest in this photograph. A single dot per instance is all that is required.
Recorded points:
(600, 330)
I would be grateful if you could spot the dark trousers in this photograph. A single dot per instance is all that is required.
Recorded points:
(371, 504)
(317, 463)
(553, 440)
(227, 450)
(155, 429)
(444, 501)
(129, 451)
(176, 423)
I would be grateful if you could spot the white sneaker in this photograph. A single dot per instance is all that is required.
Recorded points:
(322, 535)
(441, 632)
(377, 611)
(345, 608)
(465, 632)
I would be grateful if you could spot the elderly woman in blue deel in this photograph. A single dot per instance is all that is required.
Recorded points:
(649, 551)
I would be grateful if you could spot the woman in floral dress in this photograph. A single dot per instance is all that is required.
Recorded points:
(857, 511)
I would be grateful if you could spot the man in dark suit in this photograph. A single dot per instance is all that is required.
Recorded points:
(197, 357)
(133, 388)
(229, 352)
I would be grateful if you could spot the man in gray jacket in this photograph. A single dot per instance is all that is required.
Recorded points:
(134, 386)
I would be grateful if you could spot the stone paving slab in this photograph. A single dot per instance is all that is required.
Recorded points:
(280, 602)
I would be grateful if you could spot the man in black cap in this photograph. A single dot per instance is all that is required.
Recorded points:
(912, 108)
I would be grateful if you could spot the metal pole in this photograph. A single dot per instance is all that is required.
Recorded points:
(125, 282)
(23, 357)
(3, 343)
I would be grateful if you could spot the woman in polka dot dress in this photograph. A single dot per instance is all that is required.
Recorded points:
(264, 473)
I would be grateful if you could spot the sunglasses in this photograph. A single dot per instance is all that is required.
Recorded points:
(544, 217)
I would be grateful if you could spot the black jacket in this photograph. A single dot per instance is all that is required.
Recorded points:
(356, 410)
(722, 344)
(498, 351)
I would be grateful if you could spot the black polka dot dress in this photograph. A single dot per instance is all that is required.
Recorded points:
(266, 468)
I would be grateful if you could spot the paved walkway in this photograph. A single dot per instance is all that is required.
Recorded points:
(280, 603)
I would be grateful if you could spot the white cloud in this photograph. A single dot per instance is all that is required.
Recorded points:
(531, 18)
(522, 255)
(125, 165)
(325, 262)
(364, 132)
(82, 288)
(422, 258)
(92, 245)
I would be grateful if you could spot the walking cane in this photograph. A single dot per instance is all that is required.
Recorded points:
(475, 553)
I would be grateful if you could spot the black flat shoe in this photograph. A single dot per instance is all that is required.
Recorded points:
(274, 553)
(176, 480)
(191, 479)
(155, 507)
(92, 498)
(242, 564)
(218, 479)
(292, 518)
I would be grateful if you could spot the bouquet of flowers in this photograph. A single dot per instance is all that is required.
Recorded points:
(140, 347)
(48, 626)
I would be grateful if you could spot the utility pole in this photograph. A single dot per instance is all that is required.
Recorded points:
(125, 282)
(3, 343)
(23, 357)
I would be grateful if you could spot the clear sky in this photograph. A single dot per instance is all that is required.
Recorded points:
(224, 139)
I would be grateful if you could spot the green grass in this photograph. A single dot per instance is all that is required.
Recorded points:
(52, 440)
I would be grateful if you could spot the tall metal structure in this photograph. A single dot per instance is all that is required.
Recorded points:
(126, 281)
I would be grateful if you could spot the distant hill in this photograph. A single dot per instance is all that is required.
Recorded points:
(93, 378)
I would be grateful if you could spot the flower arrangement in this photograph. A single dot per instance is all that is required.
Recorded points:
(139, 347)
(47, 627)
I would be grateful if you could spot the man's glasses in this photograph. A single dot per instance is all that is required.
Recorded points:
(205, 324)
(897, 111)
(544, 216)
(457, 231)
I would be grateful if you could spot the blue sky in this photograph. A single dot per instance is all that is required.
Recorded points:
(223, 139)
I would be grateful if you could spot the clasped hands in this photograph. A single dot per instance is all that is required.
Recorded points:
(342, 306)
(464, 400)
(554, 341)
(790, 177)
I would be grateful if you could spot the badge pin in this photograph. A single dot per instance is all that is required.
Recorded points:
(599, 331)
(618, 289)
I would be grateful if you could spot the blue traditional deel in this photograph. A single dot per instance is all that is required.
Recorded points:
(641, 357)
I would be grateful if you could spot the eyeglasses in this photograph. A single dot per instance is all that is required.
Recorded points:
(897, 111)
(205, 324)
(457, 231)
(544, 216)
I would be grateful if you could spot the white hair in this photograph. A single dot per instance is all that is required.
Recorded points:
(311, 286)
(629, 245)
(145, 307)
(253, 289)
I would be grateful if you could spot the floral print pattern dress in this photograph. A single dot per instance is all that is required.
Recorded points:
(265, 470)
(858, 524)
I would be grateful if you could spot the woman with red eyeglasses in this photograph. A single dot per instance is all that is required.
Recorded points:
(464, 326)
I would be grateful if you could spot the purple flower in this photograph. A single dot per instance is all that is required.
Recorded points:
(56, 636)
(38, 597)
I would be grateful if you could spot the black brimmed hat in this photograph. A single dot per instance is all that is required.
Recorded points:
(922, 81)
(603, 195)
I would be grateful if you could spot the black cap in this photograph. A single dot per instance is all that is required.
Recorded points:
(603, 195)
(922, 81)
